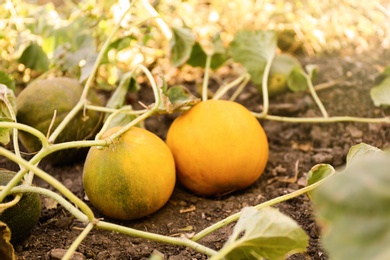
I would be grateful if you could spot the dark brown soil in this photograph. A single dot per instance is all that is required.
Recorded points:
(294, 149)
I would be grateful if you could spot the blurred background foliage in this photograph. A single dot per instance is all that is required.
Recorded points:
(39, 37)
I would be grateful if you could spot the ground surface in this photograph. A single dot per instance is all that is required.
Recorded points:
(294, 149)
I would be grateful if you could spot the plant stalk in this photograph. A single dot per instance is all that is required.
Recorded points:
(265, 85)
(315, 96)
(268, 203)
(48, 193)
(206, 77)
(156, 237)
(68, 255)
(331, 119)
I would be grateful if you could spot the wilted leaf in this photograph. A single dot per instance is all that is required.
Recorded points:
(7, 103)
(380, 94)
(181, 45)
(177, 97)
(6, 249)
(265, 233)
(253, 49)
(354, 209)
(35, 58)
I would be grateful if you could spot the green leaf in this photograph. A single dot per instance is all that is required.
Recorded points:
(35, 58)
(297, 80)
(181, 45)
(253, 49)
(265, 233)
(7, 80)
(218, 54)
(361, 151)
(380, 94)
(318, 173)
(354, 209)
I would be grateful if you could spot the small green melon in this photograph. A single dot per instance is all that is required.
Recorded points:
(22, 217)
(36, 105)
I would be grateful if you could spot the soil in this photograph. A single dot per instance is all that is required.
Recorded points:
(294, 149)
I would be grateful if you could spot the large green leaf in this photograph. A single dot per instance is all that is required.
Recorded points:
(253, 49)
(265, 233)
(218, 54)
(354, 209)
(181, 45)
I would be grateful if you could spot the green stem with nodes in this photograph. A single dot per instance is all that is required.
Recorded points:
(78, 240)
(332, 119)
(156, 237)
(243, 79)
(206, 77)
(268, 203)
(82, 101)
(43, 175)
(315, 96)
(48, 193)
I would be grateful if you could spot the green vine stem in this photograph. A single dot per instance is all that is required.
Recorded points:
(268, 203)
(206, 77)
(48, 193)
(28, 129)
(240, 87)
(156, 237)
(265, 84)
(331, 119)
(83, 99)
(69, 253)
(315, 96)
(43, 175)
(243, 79)
(160, 22)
